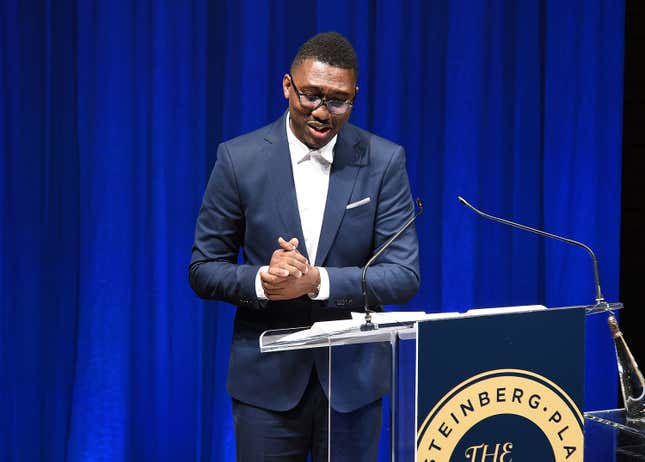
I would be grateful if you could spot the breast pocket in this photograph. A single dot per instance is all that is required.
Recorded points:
(358, 223)
(359, 211)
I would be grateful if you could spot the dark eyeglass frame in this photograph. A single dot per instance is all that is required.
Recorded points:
(346, 105)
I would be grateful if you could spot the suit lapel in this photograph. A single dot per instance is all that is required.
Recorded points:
(282, 185)
(349, 156)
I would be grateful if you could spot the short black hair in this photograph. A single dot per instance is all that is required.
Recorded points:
(329, 48)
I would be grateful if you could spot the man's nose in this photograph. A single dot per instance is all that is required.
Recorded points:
(321, 112)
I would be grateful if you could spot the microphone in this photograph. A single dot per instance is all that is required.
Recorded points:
(368, 316)
(632, 381)
(600, 300)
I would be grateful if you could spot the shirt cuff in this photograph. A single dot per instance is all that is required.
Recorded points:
(259, 290)
(323, 293)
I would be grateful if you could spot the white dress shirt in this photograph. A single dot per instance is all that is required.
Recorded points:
(311, 170)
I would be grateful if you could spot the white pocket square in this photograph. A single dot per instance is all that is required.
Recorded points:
(353, 205)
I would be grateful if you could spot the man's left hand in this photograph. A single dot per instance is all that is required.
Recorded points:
(287, 288)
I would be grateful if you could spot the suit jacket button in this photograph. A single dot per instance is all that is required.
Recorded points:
(340, 302)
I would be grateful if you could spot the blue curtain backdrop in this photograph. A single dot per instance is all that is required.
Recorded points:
(110, 115)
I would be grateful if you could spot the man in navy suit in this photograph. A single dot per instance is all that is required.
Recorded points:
(308, 198)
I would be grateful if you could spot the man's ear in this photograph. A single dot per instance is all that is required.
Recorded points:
(286, 85)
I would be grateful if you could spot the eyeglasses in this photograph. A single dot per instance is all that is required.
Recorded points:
(313, 102)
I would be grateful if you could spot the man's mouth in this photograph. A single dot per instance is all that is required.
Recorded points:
(320, 129)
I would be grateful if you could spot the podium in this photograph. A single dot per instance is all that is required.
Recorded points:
(485, 385)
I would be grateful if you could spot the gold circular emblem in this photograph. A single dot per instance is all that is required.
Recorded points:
(497, 392)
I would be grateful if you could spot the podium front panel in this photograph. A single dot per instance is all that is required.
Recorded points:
(509, 386)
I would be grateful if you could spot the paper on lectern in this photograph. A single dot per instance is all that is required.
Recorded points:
(504, 310)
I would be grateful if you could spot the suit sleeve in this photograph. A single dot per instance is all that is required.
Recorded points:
(394, 277)
(214, 272)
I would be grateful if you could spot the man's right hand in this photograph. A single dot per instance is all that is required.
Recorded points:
(289, 275)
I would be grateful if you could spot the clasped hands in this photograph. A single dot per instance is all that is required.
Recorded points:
(290, 275)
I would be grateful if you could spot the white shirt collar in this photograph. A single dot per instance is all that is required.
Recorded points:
(300, 151)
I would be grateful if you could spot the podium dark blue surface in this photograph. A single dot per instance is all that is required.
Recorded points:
(506, 384)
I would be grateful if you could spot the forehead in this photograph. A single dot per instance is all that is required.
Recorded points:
(313, 73)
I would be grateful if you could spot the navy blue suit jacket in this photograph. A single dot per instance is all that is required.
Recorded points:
(250, 201)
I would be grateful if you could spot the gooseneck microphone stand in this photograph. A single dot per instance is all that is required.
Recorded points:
(369, 325)
(632, 382)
